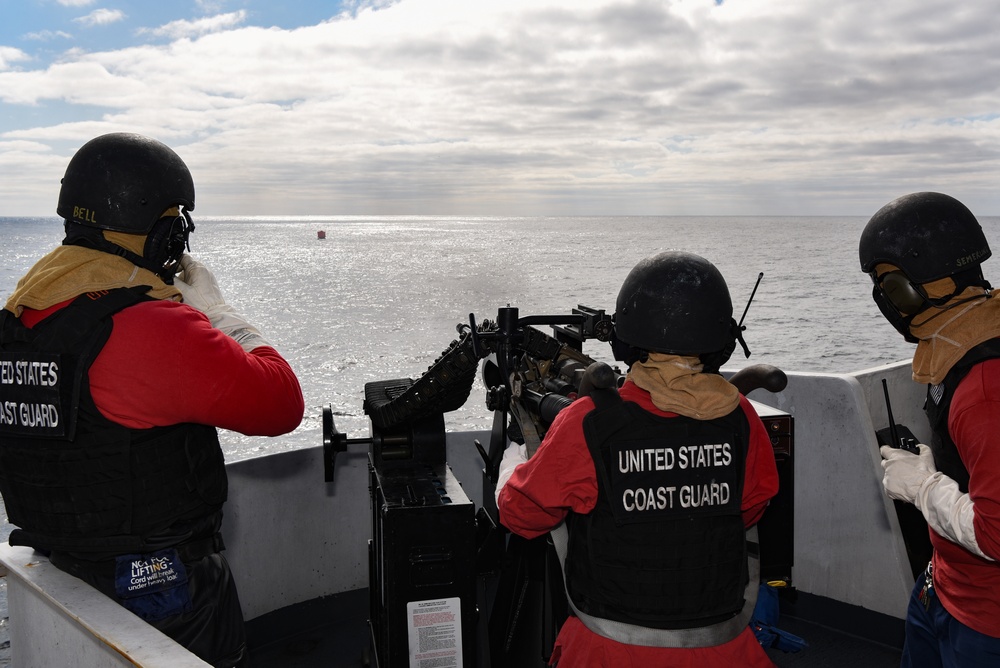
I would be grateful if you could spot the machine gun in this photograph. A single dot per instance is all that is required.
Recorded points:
(530, 377)
(430, 546)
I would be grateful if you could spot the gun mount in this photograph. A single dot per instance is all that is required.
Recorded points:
(431, 547)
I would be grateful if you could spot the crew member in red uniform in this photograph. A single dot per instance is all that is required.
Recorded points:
(116, 371)
(923, 252)
(649, 495)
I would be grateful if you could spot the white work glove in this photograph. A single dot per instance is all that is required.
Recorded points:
(200, 290)
(949, 512)
(513, 456)
(914, 478)
(905, 471)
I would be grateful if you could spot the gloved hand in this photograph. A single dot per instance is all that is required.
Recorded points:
(949, 512)
(905, 471)
(514, 454)
(200, 290)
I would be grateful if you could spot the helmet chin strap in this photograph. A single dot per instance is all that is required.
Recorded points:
(158, 245)
(713, 361)
(625, 352)
(975, 300)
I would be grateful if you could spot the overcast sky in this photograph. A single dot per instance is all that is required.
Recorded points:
(514, 107)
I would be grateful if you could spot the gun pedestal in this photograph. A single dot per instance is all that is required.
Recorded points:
(422, 555)
(446, 581)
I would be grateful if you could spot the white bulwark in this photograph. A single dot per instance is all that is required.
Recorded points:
(292, 537)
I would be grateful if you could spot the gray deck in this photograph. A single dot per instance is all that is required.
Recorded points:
(333, 632)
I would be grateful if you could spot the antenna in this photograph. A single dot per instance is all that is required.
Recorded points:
(739, 327)
(750, 301)
(893, 434)
(897, 441)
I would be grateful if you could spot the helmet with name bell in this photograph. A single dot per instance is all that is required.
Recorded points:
(675, 302)
(926, 236)
(124, 182)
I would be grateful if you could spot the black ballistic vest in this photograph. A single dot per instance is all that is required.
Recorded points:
(938, 404)
(74, 481)
(665, 547)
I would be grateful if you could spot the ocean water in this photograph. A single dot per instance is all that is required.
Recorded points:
(380, 297)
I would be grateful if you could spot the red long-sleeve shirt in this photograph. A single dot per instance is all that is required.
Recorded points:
(165, 364)
(968, 585)
(561, 477)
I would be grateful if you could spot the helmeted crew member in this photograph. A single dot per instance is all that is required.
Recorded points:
(114, 374)
(656, 489)
(923, 252)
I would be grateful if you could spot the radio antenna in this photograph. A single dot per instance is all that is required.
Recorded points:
(750, 301)
(893, 435)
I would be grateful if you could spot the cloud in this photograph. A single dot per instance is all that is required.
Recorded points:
(563, 106)
(197, 27)
(210, 6)
(352, 7)
(47, 35)
(75, 3)
(31, 169)
(10, 55)
(100, 17)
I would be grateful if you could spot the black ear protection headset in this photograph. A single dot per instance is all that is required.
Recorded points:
(900, 291)
(167, 241)
(900, 299)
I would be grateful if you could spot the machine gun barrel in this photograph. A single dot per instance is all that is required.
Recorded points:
(545, 405)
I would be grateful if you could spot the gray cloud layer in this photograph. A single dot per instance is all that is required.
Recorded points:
(546, 106)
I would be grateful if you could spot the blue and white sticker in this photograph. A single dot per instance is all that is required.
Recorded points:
(153, 586)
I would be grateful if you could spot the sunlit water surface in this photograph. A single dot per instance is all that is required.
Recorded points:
(380, 297)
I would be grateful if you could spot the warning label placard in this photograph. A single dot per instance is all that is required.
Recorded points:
(435, 633)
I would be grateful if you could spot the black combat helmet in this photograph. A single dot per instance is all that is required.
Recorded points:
(927, 236)
(124, 182)
(675, 302)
